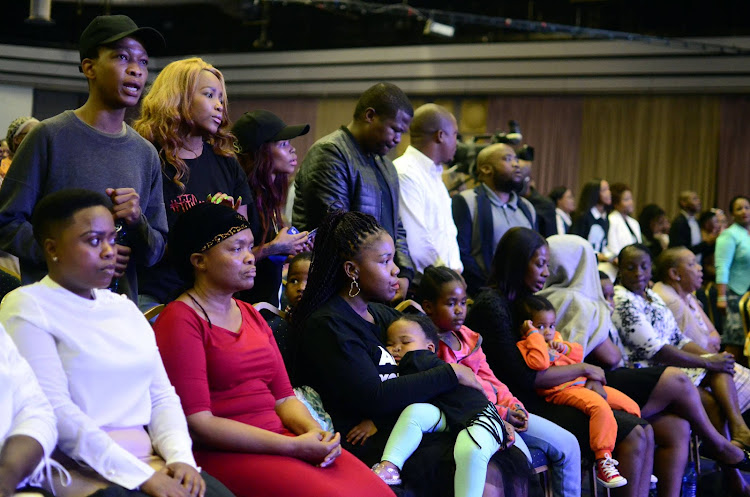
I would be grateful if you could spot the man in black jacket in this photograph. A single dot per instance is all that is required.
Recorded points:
(685, 230)
(348, 170)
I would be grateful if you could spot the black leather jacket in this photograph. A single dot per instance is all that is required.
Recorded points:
(337, 174)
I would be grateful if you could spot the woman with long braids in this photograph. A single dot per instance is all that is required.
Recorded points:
(221, 356)
(342, 355)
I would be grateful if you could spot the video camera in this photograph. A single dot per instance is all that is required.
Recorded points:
(465, 159)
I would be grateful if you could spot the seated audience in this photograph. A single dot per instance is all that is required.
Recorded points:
(623, 229)
(348, 169)
(672, 406)
(650, 335)
(343, 355)
(678, 275)
(520, 269)
(28, 430)
(118, 417)
(492, 208)
(185, 116)
(443, 297)
(424, 202)
(565, 204)
(269, 159)
(250, 430)
(654, 228)
(732, 258)
(543, 347)
(412, 340)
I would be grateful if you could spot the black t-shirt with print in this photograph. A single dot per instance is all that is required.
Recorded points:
(209, 174)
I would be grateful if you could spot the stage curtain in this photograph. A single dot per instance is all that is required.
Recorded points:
(659, 145)
(733, 173)
(552, 125)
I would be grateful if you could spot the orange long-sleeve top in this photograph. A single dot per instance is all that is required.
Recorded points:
(539, 356)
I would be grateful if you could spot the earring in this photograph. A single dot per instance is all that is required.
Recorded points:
(54, 258)
(678, 278)
(352, 287)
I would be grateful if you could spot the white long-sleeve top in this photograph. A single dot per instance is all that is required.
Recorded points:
(425, 209)
(24, 410)
(619, 235)
(98, 364)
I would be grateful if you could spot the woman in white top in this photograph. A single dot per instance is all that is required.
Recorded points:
(624, 230)
(565, 204)
(27, 423)
(96, 359)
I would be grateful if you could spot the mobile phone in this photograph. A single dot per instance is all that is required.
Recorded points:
(312, 233)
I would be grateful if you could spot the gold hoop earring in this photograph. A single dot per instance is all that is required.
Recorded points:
(352, 287)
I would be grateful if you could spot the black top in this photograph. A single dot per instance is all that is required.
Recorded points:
(592, 229)
(209, 174)
(460, 405)
(337, 173)
(342, 356)
(546, 218)
(268, 272)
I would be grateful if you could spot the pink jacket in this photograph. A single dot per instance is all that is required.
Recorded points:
(495, 390)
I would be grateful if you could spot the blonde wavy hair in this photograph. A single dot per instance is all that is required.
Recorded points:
(165, 115)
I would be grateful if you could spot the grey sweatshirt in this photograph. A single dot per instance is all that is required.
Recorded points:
(64, 152)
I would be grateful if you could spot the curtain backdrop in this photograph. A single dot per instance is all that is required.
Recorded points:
(659, 145)
(733, 175)
(552, 125)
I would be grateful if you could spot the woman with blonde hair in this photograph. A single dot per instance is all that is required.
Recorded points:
(185, 116)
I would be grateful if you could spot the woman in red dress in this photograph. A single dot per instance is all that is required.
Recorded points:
(247, 425)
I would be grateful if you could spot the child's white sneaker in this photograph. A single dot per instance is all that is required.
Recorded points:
(607, 474)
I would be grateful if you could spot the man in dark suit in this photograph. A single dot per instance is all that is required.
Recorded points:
(483, 214)
(685, 230)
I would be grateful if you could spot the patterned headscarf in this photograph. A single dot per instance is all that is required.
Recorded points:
(199, 229)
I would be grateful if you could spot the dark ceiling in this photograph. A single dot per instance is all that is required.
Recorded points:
(217, 26)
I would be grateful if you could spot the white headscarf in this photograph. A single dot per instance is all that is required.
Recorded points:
(574, 289)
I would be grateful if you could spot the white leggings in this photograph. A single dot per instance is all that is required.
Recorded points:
(471, 458)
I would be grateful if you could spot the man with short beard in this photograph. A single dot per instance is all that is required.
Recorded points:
(484, 214)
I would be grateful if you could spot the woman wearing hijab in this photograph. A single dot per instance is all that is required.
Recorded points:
(667, 398)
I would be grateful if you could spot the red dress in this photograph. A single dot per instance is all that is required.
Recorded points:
(240, 376)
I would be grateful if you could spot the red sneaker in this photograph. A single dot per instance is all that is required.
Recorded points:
(607, 474)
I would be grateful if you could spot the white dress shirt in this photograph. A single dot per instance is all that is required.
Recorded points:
(24, 410)
(425, 209)
(98, 364)
(619, 235)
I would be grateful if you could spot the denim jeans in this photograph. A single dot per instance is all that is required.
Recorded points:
(562, 450)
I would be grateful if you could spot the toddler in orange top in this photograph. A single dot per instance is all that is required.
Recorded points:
(542, 347)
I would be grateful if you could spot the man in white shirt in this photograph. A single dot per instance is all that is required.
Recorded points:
(424, 202)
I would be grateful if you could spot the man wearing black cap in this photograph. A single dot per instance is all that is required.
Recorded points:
(348, 170)
(92, 147)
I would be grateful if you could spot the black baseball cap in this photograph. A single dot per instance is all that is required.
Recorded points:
(104, 30)
(255, 128)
